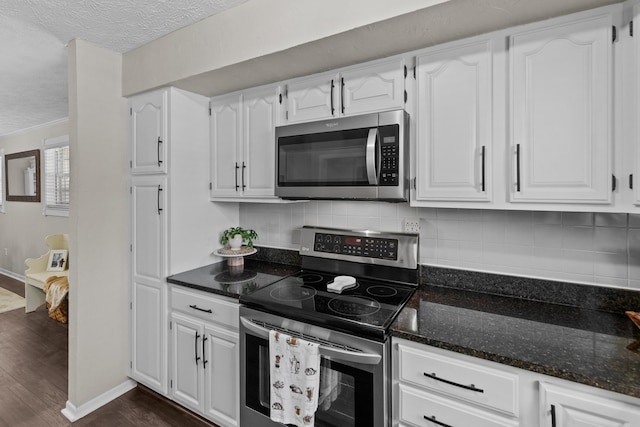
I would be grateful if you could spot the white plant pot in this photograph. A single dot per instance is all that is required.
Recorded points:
(235, 242)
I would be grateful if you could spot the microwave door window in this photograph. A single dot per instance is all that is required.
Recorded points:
(329, 159)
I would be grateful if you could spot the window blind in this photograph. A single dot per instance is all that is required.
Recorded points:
(56, 179)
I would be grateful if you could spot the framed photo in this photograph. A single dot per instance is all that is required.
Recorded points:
(57, 260)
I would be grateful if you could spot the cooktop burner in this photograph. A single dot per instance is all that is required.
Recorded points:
(292, 293)
(369, 308)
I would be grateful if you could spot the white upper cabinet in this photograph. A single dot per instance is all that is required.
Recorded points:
(634, 104)
(454, 122)
(226, 131)
(243, 144)
(260, 109)
(149, 132)
(375, 86)
(561, 111)
(311, 98)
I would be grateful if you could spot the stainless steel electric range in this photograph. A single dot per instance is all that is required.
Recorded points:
(351, 288)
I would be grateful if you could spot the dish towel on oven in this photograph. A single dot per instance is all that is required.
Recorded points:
(295, 379)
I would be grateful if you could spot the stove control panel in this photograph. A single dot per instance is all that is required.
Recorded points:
(360, 246)
(380, 248)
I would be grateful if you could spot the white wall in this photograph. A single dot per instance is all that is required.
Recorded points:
(98, 299)
(23, 227)
(593, 248)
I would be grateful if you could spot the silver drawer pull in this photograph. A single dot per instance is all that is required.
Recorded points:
(433, 420)
(195, 307)
(471, 387)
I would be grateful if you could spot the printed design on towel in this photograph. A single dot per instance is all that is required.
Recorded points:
(295, 369)
(295, 365)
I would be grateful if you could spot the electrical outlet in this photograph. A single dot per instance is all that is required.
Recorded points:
(6, 251)
(412, 225)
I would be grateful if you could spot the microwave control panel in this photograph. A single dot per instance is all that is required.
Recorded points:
(367, 247)
(390, 155)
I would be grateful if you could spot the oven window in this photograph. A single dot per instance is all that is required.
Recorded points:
(325, 159)
(346, 393)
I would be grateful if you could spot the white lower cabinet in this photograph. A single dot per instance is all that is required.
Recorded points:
(567, 407)
(204, 372)
(431, 388)
(434, 387)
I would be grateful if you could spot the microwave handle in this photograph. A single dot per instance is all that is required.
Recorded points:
(372, 167)
(326, 351)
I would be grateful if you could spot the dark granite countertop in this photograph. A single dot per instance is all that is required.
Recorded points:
(570, 331)
(217, 279)
(583, 345)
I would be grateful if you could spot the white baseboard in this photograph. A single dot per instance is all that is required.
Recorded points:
(11, 274)
(74, 413)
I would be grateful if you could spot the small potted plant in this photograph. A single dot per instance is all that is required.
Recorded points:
(236, 236)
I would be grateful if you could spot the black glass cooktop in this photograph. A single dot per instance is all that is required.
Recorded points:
(369, 308)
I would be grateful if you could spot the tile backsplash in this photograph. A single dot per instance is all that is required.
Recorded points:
(593, 248)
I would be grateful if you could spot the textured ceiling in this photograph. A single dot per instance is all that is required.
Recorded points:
(34, 35)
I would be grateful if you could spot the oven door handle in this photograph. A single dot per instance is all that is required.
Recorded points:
(326, 351)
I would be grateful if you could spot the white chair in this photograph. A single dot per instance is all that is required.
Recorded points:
(36, 274)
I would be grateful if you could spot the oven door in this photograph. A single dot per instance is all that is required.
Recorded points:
(354, 379)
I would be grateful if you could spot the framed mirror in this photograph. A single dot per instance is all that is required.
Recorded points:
(22, 176)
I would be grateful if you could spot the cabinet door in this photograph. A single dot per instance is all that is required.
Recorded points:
(373, 87)
(149, 226)
(454, 123)
(226, 142)
(260, 109)
(149, 133)
(187, 361)
(312, 98)
(561, 100)
(221, 375)
(562, 407)
(635, 139)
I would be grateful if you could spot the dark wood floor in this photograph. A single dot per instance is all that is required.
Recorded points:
(33, 379)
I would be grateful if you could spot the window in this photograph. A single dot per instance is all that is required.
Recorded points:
(56, 176)
(1, 180)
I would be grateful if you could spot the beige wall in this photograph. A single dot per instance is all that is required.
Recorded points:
(98, 324)
(260, 42)
(23, 227)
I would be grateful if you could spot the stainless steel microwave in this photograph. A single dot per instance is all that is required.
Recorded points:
(357, 158)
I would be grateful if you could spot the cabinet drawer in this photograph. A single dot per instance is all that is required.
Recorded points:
(416, 405)
(205, 306)
(471, 382)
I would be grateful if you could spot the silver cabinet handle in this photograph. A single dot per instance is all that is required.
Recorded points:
(471, 387)
(372, 173)
(326, 351)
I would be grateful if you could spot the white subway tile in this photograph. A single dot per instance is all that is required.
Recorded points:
(448, 230)
(577, 218)
(493, 232)
(471, 252)
(578, 262)
(541, 217)
(610, 265)
(634, 240)
(607, 239)
(609, 219)
(577, 238)
(470, 231)
(448, 250)
(447, 214)
(547, 236)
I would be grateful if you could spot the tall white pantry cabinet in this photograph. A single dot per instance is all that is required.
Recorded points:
(174, 226)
